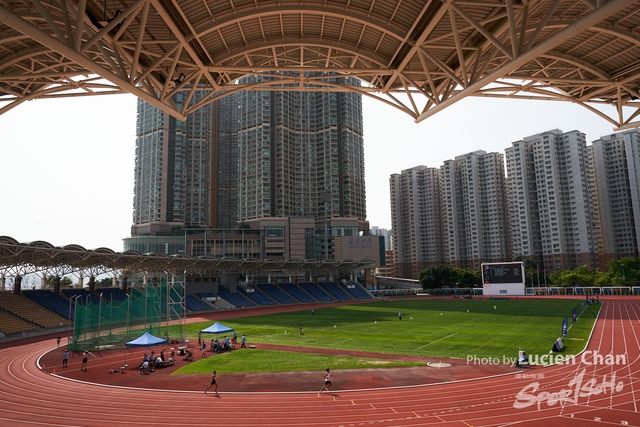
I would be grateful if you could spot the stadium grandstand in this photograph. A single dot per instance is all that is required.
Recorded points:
(151, 290)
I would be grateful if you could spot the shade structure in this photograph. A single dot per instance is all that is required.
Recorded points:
(146, 340)
(216, 328)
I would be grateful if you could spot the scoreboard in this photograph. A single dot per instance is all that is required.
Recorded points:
(507, 272)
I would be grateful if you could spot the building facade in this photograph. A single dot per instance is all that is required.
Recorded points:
(553, 218)
(475, 222)
(286, 163)
(182, 174)
(301, 167)
(416, 220)
(616, 161)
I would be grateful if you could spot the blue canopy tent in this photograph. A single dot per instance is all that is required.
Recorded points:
(216, 328)
(146, 340)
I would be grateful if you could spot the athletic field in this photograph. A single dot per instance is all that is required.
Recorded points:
(482, 329)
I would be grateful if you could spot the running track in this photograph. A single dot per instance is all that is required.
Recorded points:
(32, 397)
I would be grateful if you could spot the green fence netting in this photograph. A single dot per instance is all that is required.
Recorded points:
(110, 324)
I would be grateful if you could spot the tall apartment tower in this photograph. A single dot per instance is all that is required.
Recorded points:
(301, 167)
(616, 160)
(298, 150)
(184, 170)
(224, 162)
(416, 220)
(475, 224)
(550, 200)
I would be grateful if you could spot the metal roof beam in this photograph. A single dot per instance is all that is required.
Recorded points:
(588, 21)
(17, 23)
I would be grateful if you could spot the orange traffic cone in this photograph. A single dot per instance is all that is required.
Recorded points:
(44, 367)
(54, 370)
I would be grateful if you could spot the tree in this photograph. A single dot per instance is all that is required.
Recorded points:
(530, 271)
(469, 277)
(437, 277)
(601, 278)
(624, 271)
(105, 281)
(580, 276)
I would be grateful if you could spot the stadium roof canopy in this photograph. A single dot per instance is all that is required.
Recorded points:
(19, 259)
(419, 56)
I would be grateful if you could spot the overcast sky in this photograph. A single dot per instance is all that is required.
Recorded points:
(67, 165)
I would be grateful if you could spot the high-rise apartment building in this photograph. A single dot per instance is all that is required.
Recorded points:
(185, 173)
(416, 220)
(616, 160)
(224, 162)
(387, 234)
(301, 167)
(550, 200)
(474, 216)
(287, 163)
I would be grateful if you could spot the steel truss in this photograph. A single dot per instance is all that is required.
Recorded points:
(418, 56)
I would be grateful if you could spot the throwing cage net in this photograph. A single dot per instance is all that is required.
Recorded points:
(110, 324)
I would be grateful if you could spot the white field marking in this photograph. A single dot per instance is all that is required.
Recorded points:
(433, 342)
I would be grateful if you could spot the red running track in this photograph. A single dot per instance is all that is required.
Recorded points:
(587, 392)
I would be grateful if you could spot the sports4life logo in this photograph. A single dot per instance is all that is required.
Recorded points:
(577, 388)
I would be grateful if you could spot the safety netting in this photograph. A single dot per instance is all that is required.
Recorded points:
(110, 324)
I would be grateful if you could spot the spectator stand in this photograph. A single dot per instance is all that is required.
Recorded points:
(81, 295)
(313, 290)
(12, 325)
(356, 290)
(195, 304)
(51, 301)
(297, 293)
(112, 294)
(210, 298)
(256, 296)
(333, 290)
(275, 293)
(28, 310)
(235, 299)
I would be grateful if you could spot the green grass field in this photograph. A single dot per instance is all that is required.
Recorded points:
(430, 328)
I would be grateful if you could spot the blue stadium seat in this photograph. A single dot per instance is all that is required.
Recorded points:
(356, 290)
(276, 293)
(235, 298)
(84, 295)
(313, 290)
(297, 293)
(51, 301)
(195, 304)
(333, 290)
(112, 294)
(257, 297)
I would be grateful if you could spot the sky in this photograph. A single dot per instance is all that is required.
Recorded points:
(66, 165)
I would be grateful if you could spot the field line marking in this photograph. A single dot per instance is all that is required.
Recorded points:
(440, 419)
(433, 342)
